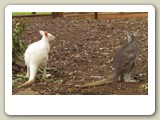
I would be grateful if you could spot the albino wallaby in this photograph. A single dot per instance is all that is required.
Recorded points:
(36, 55)
(124, 61)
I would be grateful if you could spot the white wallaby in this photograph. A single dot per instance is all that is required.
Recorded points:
(36, 55)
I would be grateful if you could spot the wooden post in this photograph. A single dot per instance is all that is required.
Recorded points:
(57, 14)
(96, 15)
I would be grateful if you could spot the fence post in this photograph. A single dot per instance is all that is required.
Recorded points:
(57, 14)
(96, 15)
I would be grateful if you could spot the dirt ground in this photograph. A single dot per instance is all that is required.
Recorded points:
(83, 52)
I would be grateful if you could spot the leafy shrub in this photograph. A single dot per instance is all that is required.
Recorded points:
(17, 45)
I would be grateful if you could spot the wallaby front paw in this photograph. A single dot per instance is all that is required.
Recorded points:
(48, 75)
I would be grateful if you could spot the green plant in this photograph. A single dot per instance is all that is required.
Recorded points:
(17, 45)
(29, 13)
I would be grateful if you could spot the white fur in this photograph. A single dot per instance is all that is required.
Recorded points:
(36, 55)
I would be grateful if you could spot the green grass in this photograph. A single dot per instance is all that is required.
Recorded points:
(29, 13)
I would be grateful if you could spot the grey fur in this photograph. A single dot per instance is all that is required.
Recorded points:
(124, 59)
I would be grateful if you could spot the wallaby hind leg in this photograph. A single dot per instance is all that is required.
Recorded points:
(44, 71)
(28, 72)
(121, 78)
(128, 78)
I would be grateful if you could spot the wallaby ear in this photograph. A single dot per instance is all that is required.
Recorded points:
(126, 32)
(41, 32)
(46, 33)
(135, 33)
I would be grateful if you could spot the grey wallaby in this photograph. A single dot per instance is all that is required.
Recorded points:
(124, 62)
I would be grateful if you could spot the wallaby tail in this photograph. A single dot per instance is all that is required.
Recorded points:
(113, 78)
(96, 83)
(29, 82)
(33, 72)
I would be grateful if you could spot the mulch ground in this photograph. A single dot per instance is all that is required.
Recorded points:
(83, 52)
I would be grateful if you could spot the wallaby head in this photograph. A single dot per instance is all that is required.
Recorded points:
(47, 35)
(131, 35)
